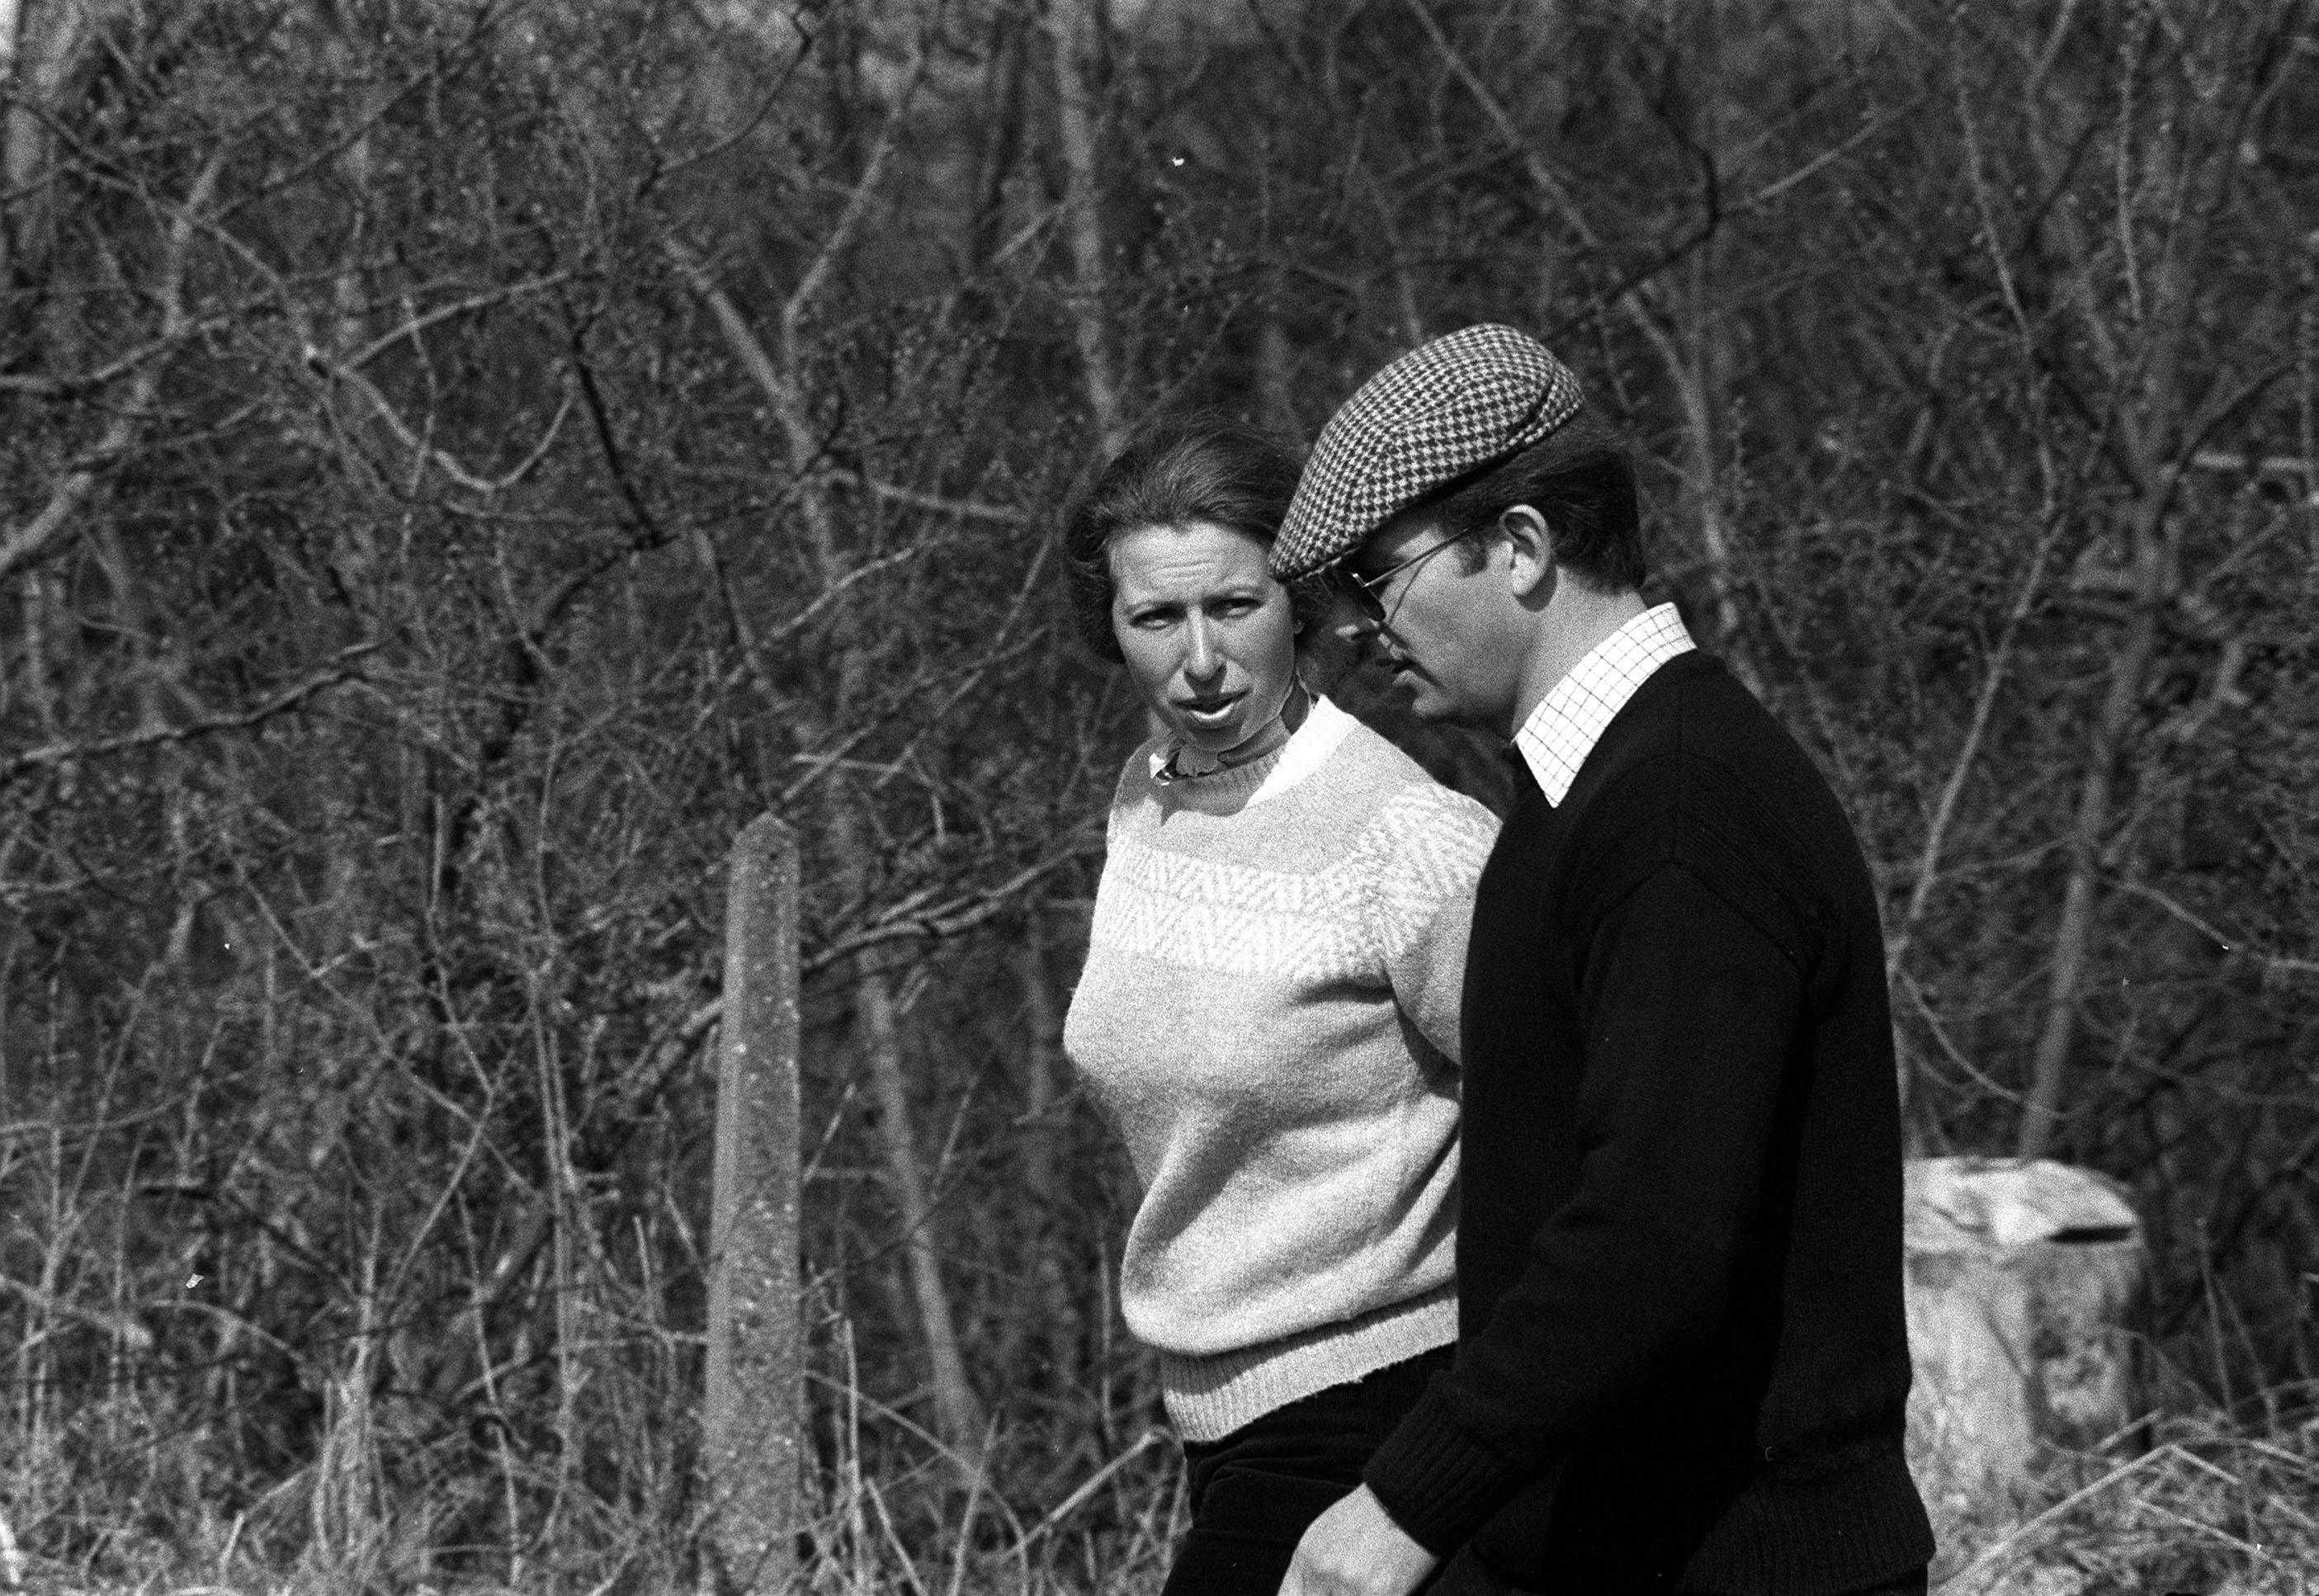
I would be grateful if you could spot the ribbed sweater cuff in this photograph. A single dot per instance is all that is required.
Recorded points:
(1210, 1397)
(1844, 1531)
(1439, 1482)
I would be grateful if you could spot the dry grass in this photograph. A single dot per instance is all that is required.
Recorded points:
(927, 1531)
(2212, 1507)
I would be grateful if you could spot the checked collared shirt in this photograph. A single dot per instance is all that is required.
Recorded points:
(1568, 723)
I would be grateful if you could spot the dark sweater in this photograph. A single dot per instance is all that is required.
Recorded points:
(1683, 1357)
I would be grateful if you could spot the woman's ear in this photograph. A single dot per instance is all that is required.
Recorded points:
(1530, 560)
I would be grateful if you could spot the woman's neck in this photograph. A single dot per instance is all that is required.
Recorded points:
(1276, 731)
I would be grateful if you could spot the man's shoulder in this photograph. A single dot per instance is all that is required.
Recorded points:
(1694, 704)
(1696, 773)
(1694, 736)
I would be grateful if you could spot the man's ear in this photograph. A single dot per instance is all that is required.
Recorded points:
(1529, 561)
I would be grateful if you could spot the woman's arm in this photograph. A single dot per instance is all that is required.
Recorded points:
(1424, 854)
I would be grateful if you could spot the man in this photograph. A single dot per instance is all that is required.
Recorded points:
(1682, 1363)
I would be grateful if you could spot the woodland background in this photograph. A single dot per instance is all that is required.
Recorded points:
(461, 460)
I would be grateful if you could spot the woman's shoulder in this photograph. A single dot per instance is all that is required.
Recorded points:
(1417, 844)
(1392, 792)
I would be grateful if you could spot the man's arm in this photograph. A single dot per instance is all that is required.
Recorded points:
(1691, 995)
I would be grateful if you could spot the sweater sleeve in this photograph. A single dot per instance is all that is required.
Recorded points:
(1691, 989)
(1421, 859)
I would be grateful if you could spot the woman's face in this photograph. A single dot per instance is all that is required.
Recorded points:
(1209, 638)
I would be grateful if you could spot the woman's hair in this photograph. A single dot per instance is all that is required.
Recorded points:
(1582, 479)
(1179, 469)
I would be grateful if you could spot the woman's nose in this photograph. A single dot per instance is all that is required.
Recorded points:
(1201, 656)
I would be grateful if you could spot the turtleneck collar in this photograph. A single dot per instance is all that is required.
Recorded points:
(1267, 777)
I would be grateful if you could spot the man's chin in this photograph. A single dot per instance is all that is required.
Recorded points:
(1426, 701)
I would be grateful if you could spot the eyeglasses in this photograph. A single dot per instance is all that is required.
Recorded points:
(1370, 589)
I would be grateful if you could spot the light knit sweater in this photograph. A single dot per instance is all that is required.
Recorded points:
(1269, 1014)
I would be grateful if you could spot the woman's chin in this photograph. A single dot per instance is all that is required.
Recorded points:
(1216, 737)
(1232, 738)
(1209, 744)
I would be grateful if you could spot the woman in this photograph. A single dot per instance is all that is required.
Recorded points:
(1268, 1010)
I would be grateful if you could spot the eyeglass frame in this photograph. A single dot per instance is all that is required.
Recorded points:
(1372, 588)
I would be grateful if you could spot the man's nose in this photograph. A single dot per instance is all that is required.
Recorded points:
(1352, 615)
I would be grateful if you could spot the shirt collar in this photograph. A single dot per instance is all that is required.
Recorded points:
(1568, 723)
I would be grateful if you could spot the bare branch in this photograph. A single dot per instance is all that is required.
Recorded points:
(805, 448)
(1072, 23)
(441, 313)
(324, 365)
(1534, 166)
(2223, 460)
(966, 509)
(120, 365)
(41, 535)
(2231, 947)
(961, 914)
(857, 206)
(1968, 754)
(288, 699)
(127, 1330)
(822, 763)
(739, 336)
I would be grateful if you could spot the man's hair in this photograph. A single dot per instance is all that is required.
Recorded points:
(1581, 478)
(1178, 469)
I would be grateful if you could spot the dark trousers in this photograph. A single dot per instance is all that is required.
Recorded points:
(1254, 1492)
(1466, 1574)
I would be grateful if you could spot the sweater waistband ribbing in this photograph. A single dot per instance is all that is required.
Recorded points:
(1210, 1397)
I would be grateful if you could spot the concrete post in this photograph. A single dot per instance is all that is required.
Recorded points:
(751, 1415)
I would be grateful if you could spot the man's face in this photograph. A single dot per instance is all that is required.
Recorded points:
(1449, 632)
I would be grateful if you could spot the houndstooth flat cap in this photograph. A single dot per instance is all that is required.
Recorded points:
(1446, 407)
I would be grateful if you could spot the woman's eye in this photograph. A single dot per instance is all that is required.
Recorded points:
(1150, 620)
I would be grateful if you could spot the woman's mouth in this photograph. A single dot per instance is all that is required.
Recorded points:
(1208, 714)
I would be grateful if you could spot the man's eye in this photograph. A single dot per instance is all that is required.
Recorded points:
(1151, 620)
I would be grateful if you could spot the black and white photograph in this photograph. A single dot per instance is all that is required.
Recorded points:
(1160, 797)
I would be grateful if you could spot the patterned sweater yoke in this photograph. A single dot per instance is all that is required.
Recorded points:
(1269, 1013)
